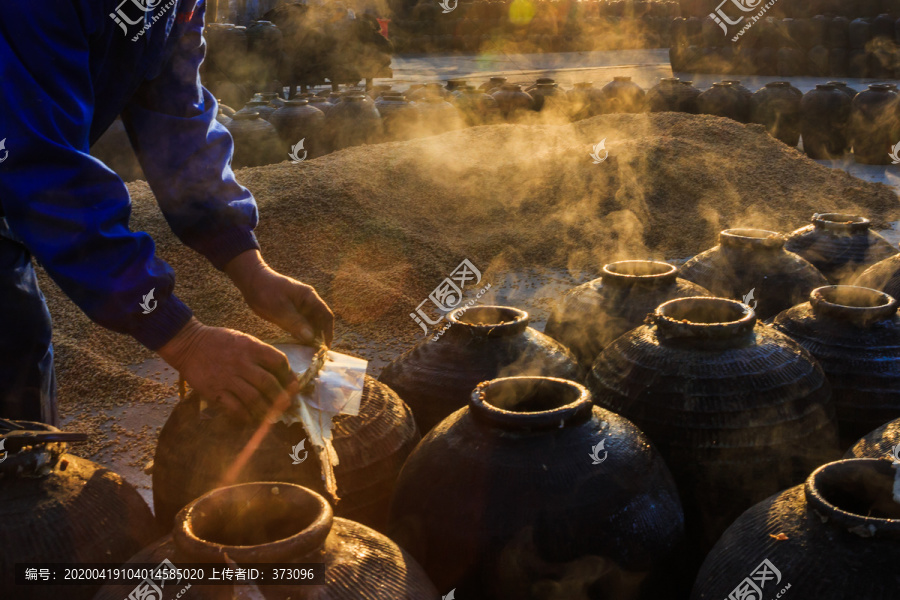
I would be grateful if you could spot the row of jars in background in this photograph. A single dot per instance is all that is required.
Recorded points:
(612, 33)
(832, 119)
(799, 9)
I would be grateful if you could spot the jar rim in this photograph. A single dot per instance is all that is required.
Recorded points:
(543, 403)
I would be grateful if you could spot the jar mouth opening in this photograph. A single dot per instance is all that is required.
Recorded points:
(530, 403)
(837, 83)
(856, 494)
(840, 221)
(825, 86)
(860, 305)
(489, 318)
(639, 270)
(239, 519)
(670, 80)
(778, 84)
(705, 311)
(246, 116)
(751, 237)
(300, 102)
(881, 86)
(622, 78)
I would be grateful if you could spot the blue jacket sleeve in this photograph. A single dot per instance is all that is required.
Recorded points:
(186, 153)
(68, 209)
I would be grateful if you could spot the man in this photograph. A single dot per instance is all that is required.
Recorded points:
(67, 68)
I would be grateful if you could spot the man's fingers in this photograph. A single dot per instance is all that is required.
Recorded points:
(275, 362)
(249, 396)
(267, 384)
(235, 407)
(314, 312)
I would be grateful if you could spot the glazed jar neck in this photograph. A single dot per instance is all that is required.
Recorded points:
(526, 404)
(751, 240)
(704, 323)
(840, 223)
(856, 495)
(487, 322)
(859, 306)
(254, 523)
(647, 273)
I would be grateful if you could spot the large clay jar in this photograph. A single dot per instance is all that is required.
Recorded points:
(874, 124)
(883, 442)
(296, 121)
(551, 101)
(752, 265)
(371, 448)
(255, 140)
(586, 100)
(512, 101)
(835, 537)
(260, 107)
(777, 106)
(400, 118)
(672, 96)
(501, 502)
(860, 32)
(840, 246)
(824, 117)
(843, 87)
(476, 107)
(854, 333)
(724, 100)
(436, 115)
(738, 410)
(837, 35)
(60, 508)
(268, 523)
(621, 95)
(436, 378)
(353, 121)
(589, 317)
(883, 276)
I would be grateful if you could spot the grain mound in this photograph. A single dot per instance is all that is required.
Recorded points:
(376, 228)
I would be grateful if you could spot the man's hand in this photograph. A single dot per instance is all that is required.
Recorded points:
(247, 376)
(286, 302)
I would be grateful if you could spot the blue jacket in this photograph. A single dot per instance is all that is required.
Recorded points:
(67, 69)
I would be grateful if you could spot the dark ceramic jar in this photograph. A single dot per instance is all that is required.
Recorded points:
(281, 523)
(436, 377)
(353, 122)
(883, 276)
(824, 118)
(586, 100)
(859, 33)
(320, 103)
(732, 440)
(371, 447)
(843, 87)
(670, 95)
(255, 140)
(550, 100)
(273, 98)
(883, 442)
(874, 124)
(841, 246)
(512, 101)
(724, 100)
(622, 95)
(493, 84)
(296, 121)
(476, 107)
(838, 35)
(589, 317)
(817, 62)
(818, 31)
(436, 115)
(59, 508)
(260, 107)
(854, 333)
(882, 28)
(777, 106)
(835, 537)
(753, 266)
(400, 118)
(500, 501)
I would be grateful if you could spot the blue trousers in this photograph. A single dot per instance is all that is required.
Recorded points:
(27, 380)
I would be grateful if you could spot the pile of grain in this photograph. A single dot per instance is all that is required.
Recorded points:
(376, 228)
